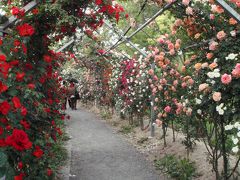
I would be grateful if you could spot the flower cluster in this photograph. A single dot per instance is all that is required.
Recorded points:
(235, 128)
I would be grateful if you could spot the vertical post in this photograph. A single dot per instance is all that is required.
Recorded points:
(152, 127)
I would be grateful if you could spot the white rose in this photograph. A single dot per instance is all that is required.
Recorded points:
(199, 111)
(228, 127)
(235, 140)
(235, 149)
(238, 134)
(198, 101)
(210, 75)
(237, 125)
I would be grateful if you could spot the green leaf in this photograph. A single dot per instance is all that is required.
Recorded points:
(12, 92)
(3, 159)
(2, 171)
(10, 173)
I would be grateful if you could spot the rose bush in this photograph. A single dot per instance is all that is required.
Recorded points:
(30, 94)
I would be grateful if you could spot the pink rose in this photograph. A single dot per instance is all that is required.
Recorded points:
(158, 122)
(185, 2)
(221, 35)
(226, 78)
(189, 11)
(217, 96)
(161, 40)
(236, 71)
(191, 81)
(212, 16)
(184, 85)
(237, 67)
(213, 45)
(151, 72)
(178, 22)
(167, 109)
(175, 82)
(203, 86)
(160, 88)
(154, 90)
(209, 55)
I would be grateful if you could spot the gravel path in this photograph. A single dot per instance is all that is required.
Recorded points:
(98, 153)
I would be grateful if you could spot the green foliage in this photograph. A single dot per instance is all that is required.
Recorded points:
(126, 129)
(180, 169)
(3, 163)
(105, 114)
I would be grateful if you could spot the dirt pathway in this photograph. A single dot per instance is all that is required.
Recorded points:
(98, 153)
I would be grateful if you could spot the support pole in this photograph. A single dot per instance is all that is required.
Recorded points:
(125, 39)
(66, 45)
(229, 10)
(152, 128)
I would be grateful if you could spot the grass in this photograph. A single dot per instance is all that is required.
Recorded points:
(177, 168)
(126, 129)
(105, 114)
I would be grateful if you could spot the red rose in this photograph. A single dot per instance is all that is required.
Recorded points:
(16, 43)
(1, 130)
(8, 127)
(4, 121)
(20, 165)
(3, 57)
(3, 87)
(20, 76)
(47, 110)
(31, 86)
(16, 102)
(15, 11)
(24, 48)
(24, 111)
(25, 124)
(59, 131)
(47, 58)
(49, 172)
(1, 42)
(19, 140)
(25, 30)
(98, 2)
(35, 11)
(14, 62)
(19, 177)
(28, 66)
(2, 143)
(5, 107)
(38, 152)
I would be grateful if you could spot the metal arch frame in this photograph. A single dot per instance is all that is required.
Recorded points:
(14, 19)
(152, 119)
(116, 48)
(125, 39)
(162, 10)
(229, 9)
(66, 45)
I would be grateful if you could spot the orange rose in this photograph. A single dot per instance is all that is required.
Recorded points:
(213, 65)
(198, 66)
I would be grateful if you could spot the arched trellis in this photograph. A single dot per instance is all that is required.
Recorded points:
(127, 39)
(122, 37)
